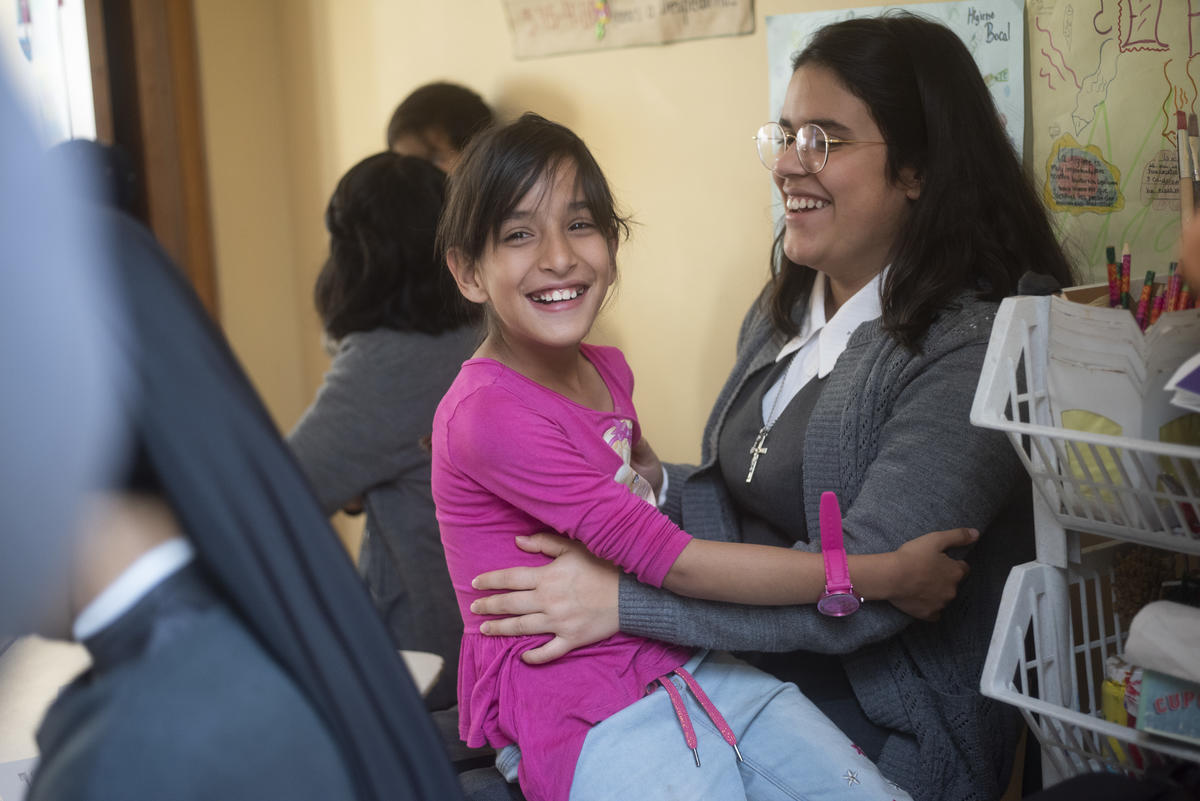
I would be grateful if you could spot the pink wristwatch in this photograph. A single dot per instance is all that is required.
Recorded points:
(839, 599)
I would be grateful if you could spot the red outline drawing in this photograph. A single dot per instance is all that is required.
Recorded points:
(1134, 30)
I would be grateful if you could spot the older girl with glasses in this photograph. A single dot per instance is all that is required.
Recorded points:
(907, 218)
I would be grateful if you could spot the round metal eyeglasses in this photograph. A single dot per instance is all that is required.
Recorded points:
(812, 145)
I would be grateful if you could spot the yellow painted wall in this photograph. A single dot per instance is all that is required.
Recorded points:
(296, 91)
(253, 180)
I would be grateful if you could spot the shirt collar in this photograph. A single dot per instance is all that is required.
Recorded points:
(832, 335)
(144, 574)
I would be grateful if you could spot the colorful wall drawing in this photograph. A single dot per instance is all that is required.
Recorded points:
(1106, 78)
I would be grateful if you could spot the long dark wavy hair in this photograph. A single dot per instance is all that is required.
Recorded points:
(978, 224)
(383, 270)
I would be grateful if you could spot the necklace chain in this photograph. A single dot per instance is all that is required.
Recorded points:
(772, 418)
(760, 440)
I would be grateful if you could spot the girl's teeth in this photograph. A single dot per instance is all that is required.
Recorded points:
(802, 203)
(556, 295)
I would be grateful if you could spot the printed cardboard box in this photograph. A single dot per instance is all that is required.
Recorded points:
(1169, 707)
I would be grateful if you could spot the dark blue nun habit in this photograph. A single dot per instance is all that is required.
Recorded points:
(262, 669)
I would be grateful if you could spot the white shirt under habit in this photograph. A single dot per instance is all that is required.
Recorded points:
(134, 583)
(820, 342)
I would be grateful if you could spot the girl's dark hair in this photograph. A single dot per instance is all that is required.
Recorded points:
(447, 107)
(501, 164)
(383, 270)
(978, 224)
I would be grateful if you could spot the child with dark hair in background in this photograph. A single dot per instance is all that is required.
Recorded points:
(436, 121)
(399, 333)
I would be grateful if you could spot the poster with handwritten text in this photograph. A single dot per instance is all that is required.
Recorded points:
(1107, 77)
(548, 27)
(991, 29)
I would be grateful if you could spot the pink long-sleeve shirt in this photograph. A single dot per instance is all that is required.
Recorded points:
(513, 457)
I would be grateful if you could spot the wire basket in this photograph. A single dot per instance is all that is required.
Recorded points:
(1054, 633)
(1133, 489)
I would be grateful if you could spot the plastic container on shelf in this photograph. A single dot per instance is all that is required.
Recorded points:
(1053, 636)
(1118, 486)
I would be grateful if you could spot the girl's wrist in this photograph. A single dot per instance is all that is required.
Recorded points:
(874, 576)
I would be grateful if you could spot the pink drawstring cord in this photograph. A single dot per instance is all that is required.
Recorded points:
(685, 722)
(711, 710)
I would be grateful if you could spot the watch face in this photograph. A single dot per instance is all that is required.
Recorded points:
(838, 604)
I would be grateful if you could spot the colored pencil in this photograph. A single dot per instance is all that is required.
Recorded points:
(1142, 314)
(1126, 269)
(1194, 148)
(1173, 280)
(1114, 278)
(1186, 202)
(1160, 303)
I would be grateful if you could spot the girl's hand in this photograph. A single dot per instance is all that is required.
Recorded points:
(926, 578)
(574, 598)
(645, 461)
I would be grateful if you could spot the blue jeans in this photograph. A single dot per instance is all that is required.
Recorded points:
(790, 749)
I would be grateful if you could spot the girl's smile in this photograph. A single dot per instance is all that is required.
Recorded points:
(543, 276)
(803, 203)
(558, 298)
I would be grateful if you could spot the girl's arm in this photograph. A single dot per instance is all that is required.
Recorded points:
(919, 572)
(575, 597)
(980, 482)
(918, 577)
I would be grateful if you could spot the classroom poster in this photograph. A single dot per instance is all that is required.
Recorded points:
(547, 27)
(991, 29)
(1107, 77)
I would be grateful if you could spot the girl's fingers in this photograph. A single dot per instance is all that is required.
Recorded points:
(547, 653)
(955, 538)
(508, 603)
(510, 578)
(544, 542)
(521, 626)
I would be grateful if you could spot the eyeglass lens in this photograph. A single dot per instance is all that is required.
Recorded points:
(812, 148)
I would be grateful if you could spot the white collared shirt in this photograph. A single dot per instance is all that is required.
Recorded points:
(820, 342)
(144, 574)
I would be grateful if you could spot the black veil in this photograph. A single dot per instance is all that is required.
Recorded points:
(258, 530)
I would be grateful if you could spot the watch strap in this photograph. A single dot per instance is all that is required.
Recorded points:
(833, 551)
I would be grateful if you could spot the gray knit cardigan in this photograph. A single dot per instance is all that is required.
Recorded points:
(361, 437)
(890, 434)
